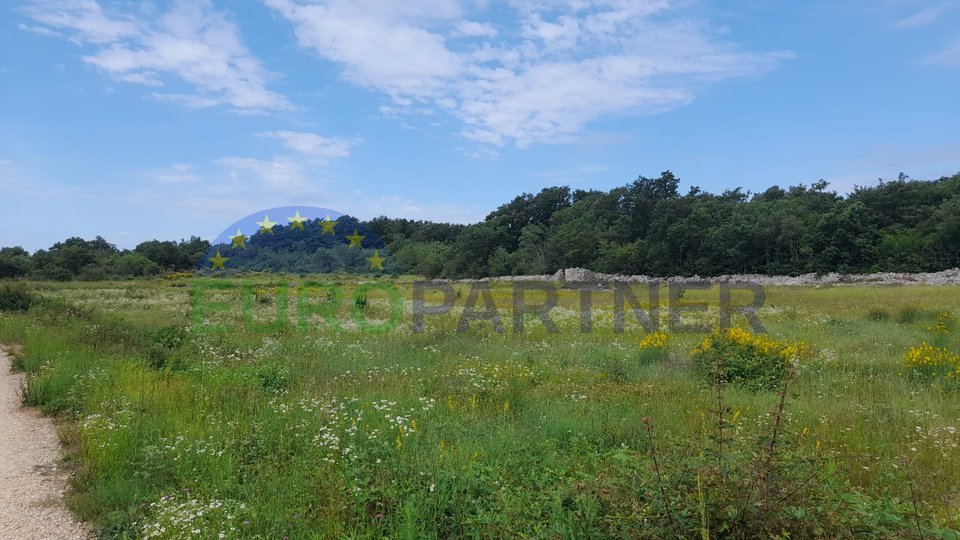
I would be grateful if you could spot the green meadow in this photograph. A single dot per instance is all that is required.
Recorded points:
(318, 426)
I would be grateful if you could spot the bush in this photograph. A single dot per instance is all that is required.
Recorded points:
(654, 348)
(15, 298)
(737, 357)
(928, 362)
(878, 315)
(165, 343)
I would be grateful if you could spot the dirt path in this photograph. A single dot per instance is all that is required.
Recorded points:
(31, 483)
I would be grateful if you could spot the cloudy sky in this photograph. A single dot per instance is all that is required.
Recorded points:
(163, 119)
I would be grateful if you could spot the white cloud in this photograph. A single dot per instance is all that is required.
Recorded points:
(378, 44)
(191, 42)
(542, 76)
(279, 173)
(85, 19)
(178, 173)
(926, 16)
(311, 145)
(949, 56)
(397, 206)
(40, 30)
(226, 186)
(475, 29)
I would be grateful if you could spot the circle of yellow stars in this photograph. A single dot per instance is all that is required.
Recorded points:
(239, 240)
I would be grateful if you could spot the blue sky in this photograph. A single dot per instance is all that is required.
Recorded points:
(139, 120)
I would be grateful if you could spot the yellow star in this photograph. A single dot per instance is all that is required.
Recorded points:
(218, 261)
(355, 240)
(296, 222)
(376, 261)
(239, 240)
(266, 225)
(328, 226)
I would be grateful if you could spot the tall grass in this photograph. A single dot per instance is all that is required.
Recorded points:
(326, 434)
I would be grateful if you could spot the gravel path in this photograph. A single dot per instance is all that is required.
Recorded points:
(31, 483)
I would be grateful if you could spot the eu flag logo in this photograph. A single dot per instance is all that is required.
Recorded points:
(298, 239)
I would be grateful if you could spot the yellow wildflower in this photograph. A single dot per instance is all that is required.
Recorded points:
(654, 340)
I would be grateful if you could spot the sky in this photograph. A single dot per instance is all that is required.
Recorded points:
(166, 119)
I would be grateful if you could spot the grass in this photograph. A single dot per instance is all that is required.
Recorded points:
(323, 434)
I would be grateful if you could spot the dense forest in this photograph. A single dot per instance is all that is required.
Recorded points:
(644, 227)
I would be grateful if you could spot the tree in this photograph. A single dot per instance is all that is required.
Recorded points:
(14, 262)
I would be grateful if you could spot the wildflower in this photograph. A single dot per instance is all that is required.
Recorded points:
(929, 360)
(655, 340)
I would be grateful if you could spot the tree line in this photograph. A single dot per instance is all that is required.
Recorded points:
(97, 259)
(649, 227)
(644, 227)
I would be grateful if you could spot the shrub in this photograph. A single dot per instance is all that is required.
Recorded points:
(737, 357)
(934, 361)
(15, 298)
(164, 343)
(928, 362)
(654, 347)
(878, 314)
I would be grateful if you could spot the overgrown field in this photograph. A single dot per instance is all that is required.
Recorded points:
(842, 422)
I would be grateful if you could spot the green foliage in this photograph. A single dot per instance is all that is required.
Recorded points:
(644, 227)
(15, 297)
(173, 256)
(97, 260)
(14, 262)
(165, 342)
(738, 357)
(648, 227)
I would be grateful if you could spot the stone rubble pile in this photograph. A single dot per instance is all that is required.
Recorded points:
(946, 277)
